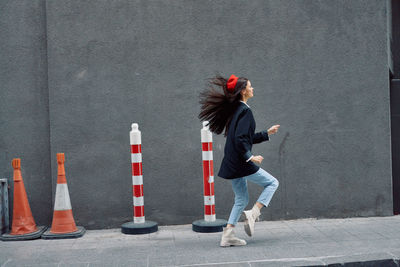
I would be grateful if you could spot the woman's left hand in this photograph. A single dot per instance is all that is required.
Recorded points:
(273, 129)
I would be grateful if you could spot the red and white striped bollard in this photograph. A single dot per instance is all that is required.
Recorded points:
(139, 224)
(210, 223)
(208, 174)
(137, 174)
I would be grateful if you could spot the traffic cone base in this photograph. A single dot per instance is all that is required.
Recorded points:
(34, 235)
(79, 233)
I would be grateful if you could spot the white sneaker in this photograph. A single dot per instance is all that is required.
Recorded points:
(251, 217)
(229, 239)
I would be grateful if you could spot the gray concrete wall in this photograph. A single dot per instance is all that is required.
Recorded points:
(319, 68)
(395, 6)
(24, 102)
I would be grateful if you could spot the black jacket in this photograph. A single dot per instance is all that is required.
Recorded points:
(239, 141)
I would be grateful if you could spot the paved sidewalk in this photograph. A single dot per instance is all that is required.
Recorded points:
(280, 243)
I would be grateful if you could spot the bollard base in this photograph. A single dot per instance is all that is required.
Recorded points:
(79, 233)
(131, 228)
(30, 236)
(203, 226)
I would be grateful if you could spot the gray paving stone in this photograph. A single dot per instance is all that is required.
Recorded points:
(133, 263)
(165, 259)
(301, 250)
(104, 263)
(29, 262)
(74, 264)
(127, 253)
(237, 254)
(311, 262)
(280, 237)
(184, 260)
(252, 253)
(369, 236)
(186, 234)
(325, 249)
(86, 245)
(42, 265)
(162, 234)
(271, 225)
(391, 233)
(337, 234)
(325, 222)
(309, 234)
(230, 264)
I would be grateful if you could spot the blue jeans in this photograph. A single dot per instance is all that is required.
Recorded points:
(239, 186)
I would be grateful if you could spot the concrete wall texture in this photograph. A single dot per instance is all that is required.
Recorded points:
(24, 101)
(76, 74)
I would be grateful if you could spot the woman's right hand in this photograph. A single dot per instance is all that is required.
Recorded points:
(257, 159)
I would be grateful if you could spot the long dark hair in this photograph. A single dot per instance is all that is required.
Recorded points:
(218, 104)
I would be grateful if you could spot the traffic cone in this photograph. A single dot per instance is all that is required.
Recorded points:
(63, 225)
(23, 224)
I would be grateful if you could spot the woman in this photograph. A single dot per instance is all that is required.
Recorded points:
(224, 105)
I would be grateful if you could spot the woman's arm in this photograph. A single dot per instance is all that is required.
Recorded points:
(242, 137)
(273, 129)
(260, 137)
(264, 135)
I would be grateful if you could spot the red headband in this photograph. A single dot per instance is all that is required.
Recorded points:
(230, 85)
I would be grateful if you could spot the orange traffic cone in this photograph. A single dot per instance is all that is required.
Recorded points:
(23, 224)
(63, 225)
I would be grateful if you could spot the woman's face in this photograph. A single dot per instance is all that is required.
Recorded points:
(248, 92)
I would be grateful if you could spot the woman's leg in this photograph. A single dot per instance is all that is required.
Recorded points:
(228, 238)
(269, 183)
(239, 187)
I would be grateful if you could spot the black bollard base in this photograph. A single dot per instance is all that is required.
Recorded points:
(79, 233)
(131, 228)
(202, 226)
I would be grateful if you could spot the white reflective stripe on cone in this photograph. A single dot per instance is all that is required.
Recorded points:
(62, 201)
(138, 219)
(210, 218)
(209, 200)
(207, 155)
(136, 157)
(137, 179)
(138, 201)
(211, 179)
